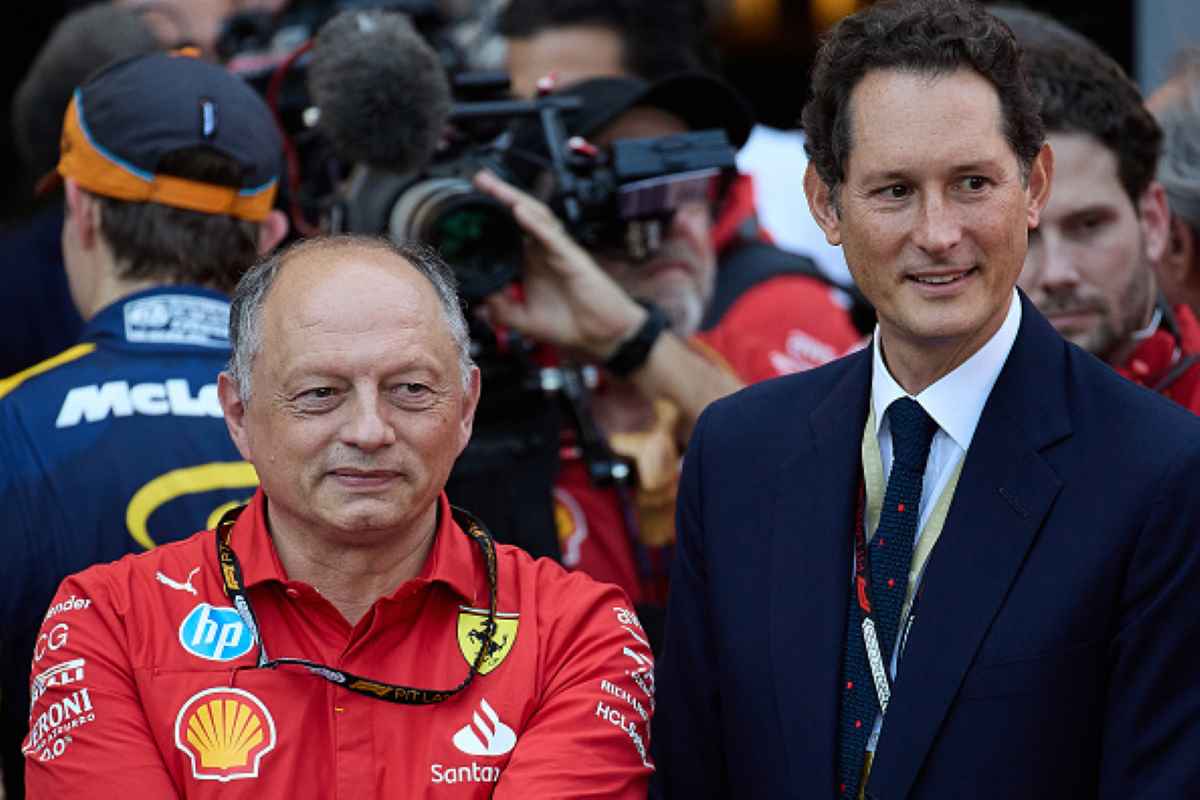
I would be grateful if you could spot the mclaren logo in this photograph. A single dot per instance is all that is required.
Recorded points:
(472, 636)
(225, 732)
(118, 399)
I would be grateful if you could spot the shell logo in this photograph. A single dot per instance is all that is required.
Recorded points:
(225, 733)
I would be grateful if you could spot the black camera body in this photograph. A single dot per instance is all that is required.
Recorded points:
(616, 198)
(619, 198)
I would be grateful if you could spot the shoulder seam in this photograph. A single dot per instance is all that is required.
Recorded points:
(10, 383)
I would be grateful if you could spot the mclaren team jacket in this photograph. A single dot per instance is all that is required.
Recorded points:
(144, 686)
(106, 449)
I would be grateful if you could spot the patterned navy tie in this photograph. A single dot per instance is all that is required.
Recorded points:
(890, 556)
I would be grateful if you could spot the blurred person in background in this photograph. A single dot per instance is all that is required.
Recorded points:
(37, 317)
(556, 43)
(1092, 262)
(169, 166)
(671, 332)
(196, 23)
(1176, 105)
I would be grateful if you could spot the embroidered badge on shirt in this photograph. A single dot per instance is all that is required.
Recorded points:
(472, 635)
(225, 733)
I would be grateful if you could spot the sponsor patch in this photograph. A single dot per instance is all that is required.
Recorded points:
(216, 633)
(617, 719)
(472, 635)
(50, 731)
(485, 737)
(225, 733)
(178, 319)
(184, 586)
(72, 603)
(475, 773)
(51, 640)
(57, 676)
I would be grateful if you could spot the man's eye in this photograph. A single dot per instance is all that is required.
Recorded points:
(974, 183)
(320, 393)
(896, 191)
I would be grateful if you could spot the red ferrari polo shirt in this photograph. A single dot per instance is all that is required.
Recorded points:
(143, 682)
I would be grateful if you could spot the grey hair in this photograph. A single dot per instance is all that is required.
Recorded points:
(1179, 166)
(245, 313)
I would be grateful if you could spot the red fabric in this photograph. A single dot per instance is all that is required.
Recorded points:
(592, 533)
(131, 701)
(787, 324)
(1158, 356)
(737, 216)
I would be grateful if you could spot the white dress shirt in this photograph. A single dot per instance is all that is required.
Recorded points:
(955, 402)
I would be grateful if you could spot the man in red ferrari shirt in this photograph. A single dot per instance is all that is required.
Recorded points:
(347, 634)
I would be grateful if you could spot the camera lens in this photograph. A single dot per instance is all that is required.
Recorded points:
(475, 234)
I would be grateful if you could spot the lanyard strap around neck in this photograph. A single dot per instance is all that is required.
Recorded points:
(231, 577)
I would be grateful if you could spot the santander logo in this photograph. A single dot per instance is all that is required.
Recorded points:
(489, 737)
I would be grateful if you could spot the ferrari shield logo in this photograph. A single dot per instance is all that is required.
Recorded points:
(472, 635)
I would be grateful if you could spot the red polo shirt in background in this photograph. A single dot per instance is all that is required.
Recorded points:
(142, 686)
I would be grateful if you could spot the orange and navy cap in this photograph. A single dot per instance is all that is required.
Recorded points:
(126, 117)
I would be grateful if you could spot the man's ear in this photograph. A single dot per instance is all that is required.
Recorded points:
(1178, 265)
(470, 404)
(1154, 216)
(271, 231)
(1041, 176)
(823, 205)
(83, 212)
(235, 413)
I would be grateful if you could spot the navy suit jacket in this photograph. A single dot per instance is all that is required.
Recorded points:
(1054, 653)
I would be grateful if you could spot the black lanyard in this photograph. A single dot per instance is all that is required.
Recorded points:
(876, 660)
(231, 574)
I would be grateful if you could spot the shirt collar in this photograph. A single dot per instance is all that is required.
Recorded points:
(165, 316)
(454, 559)
(955, 401)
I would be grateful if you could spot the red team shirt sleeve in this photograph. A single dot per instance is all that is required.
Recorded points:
(590, 736)
(88, 735)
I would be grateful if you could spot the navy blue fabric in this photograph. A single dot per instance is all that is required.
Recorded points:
(891, 553)
(37, 316)
(79, 440)
(1053, 654)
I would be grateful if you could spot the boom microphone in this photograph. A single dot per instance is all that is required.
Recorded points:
(383, 95)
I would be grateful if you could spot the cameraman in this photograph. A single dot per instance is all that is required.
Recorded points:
(660, 369)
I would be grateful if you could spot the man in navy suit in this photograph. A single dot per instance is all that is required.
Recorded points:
(1038, 636)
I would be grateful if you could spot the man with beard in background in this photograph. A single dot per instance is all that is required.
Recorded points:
(1091, 263)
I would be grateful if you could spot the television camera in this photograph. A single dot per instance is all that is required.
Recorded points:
(385, 127)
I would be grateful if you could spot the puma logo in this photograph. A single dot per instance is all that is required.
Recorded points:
(186, 586)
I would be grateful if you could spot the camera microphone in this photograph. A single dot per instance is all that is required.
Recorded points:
(382, 92)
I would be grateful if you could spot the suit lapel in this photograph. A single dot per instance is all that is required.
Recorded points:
(813, 508)
(1003, 496)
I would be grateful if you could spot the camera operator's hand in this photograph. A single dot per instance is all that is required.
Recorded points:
(569, 300)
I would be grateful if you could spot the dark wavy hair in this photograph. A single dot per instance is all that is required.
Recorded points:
(174, 245)
(1081, 89)
(924, 36)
